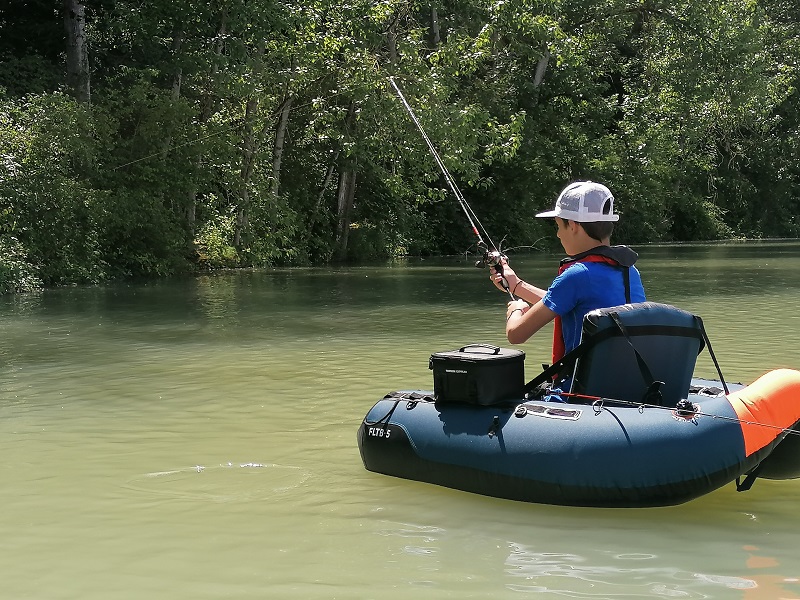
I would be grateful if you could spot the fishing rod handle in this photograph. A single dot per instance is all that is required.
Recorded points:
(498, 268)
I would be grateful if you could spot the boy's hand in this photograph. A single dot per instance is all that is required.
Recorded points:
(507, 273)
(516, 305)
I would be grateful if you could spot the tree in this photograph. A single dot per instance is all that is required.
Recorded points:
(234, 133)
(77, 50)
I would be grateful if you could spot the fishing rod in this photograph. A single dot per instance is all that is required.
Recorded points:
(492, 257)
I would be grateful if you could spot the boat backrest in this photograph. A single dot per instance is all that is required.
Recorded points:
(633, 347)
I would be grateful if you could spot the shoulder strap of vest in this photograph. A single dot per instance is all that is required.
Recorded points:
(618, 256)
(622, 255)
(626, 279)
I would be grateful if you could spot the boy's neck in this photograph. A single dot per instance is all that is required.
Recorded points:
(590, 243)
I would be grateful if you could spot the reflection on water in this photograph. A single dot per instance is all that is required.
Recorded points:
(711, 568)
(196, 439)
(641, 575)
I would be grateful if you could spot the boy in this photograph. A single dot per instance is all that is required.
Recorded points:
(594, 275)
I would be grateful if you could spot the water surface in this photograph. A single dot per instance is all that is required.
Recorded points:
(196, 439)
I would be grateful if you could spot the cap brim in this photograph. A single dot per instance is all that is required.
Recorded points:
(570, 216)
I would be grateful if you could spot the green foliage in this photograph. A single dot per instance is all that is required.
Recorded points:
(17, 274)
(28, 74)
(46, 204)
(219, 134)
(214, 243)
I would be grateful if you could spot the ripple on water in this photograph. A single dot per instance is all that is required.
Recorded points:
(736, 583)
(228, 482)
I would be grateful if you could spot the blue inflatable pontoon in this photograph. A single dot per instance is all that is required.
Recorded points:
(636, 429)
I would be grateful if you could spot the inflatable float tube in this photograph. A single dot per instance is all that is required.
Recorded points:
(636, 428)
(593, 454)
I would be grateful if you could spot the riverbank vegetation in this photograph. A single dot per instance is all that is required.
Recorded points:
(156, 137)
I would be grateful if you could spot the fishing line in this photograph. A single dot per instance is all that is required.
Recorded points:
(492, 256)
(532, 246)
(599, 401)
(237, 122)
(177, 146)
(471, 217)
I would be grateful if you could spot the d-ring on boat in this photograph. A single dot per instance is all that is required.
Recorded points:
(637, 429)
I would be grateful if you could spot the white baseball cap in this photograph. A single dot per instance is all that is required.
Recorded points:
(584, 202)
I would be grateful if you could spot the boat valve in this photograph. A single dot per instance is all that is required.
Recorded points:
(686, 409)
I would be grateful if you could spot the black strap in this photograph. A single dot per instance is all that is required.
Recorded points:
(713, 356)
(645, 370)
(568, 360)
(626, 279)
(384, 420)
(749, 480)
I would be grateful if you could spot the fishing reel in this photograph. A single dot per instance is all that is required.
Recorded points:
(491, 258)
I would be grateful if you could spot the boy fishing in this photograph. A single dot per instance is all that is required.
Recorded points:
(594, 275)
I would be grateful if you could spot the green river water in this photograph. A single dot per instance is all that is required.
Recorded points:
(197, 439)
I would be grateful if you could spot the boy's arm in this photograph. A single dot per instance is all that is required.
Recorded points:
(530, 293)
(522, 322)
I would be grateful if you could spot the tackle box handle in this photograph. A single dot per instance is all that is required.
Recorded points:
(496, 349)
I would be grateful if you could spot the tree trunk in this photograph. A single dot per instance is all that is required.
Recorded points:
(249, 150)
(280, 135)
(175, 93)
(346, 191)
(77, 52)
(391, 42)
(345, 196)
(435, 36)
(206, 110)
(245, 171)
(324, 188)
(177, 77)
(208, 99)
(541, 67)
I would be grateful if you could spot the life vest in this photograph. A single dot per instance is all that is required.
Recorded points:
(621, 257)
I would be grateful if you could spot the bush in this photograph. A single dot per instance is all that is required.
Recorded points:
(16, 273)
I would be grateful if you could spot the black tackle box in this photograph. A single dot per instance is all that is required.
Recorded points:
(478, 374)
